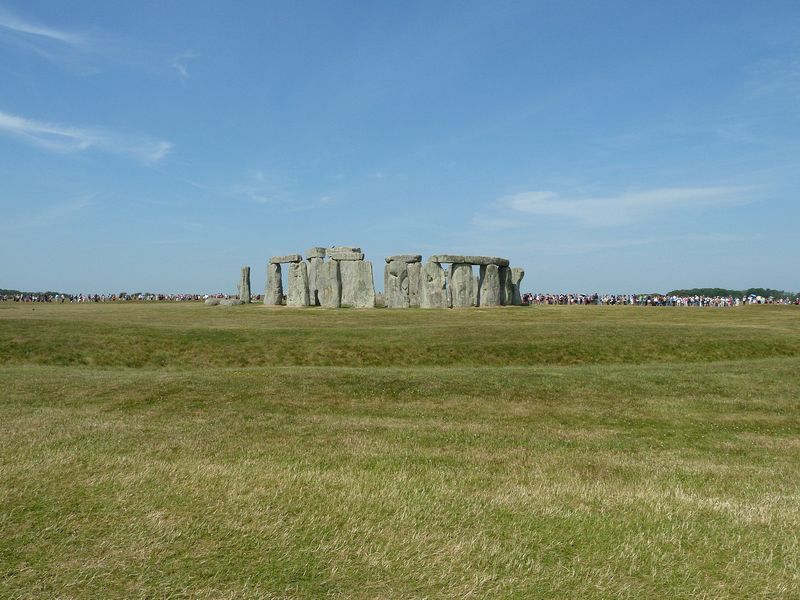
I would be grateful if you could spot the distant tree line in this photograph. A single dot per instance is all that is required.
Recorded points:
(764, 292)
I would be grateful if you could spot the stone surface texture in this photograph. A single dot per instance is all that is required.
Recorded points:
(315, 252)
(476, 291)
(490, 285)
(286, 258)
(230, 302)
(244, 285)
(329, 284)
(314, 265)
(336, 249)
(517, 273)
(406, 258)
(358, 286)
(297, 284)
(470, 260)
(346, 256)
(212, 301)
(432, 286)
(273, 295)
(461, 284)
(506, 287)
(414, 270)
(397, 285)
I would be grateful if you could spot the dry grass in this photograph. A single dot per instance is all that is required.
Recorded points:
(537, 472)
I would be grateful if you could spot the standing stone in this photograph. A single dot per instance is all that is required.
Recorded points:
(476, 291)
(244, 285)
(297, 293)
(461, 284)
(329, 284)
(358, 286)
(315, 258)
(386, 284)
(273, 295)
(490, 285)
(397, 285)
(506, 287)
(414, 270)
(517, 273)
(432, 286)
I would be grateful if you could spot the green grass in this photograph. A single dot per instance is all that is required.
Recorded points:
(178, 450)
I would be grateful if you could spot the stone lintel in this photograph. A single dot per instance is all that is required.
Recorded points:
(289, 258)
(338, 249)
(406, 258)
(316, 252)
(346, 255)
(469, 260)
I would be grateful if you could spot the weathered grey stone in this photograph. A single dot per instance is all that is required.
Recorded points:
(329, 284)
(385, 283)
(315, 252)
(414, 270)
(212, 301)
(346, 255)
(273, 295)
(406, 258)
(476, 291)
(335, 249)
(432, 286)
(230, 302)
(490, 285)
(244, 285)
(314, 265)
(517, 273)
(297, 284)
(461, 282)
(470, 260)
(358, 286)
(286, 258)
(506, 286)
(397, 285)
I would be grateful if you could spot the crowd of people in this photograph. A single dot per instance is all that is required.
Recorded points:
(653, 300)
(527, 299)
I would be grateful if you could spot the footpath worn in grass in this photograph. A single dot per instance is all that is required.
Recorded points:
(547, 452)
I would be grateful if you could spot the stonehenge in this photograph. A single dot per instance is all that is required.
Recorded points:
(339, 276)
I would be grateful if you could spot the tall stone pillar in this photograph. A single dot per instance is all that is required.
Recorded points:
(432, 286)
(461, 284)
(329, 284)
(315, 257)
(490, 285)
(517, 273)
(414, 270)
(397, 285)
(244, 285)
(506, 287)
(476, 291)
(297, 293)
(273, 295)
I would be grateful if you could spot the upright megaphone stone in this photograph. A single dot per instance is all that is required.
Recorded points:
(414, 270)
(244, 285)
(358, 285)
(461, 284)
(315, 258)
(397, 285)
(329, 284)
(297, 293)
(273, 295)
(476, 291)
(490, 285)
(432, 286)
(517, 273)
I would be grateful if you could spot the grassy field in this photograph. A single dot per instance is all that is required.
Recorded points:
(178, 450)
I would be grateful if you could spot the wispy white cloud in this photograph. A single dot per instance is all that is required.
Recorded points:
(60, 138)
(180, 63)
(620, 209)
(20, 25)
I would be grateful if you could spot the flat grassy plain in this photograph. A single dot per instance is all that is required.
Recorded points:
(178, 450)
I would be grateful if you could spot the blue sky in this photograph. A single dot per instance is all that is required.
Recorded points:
(603, 146)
